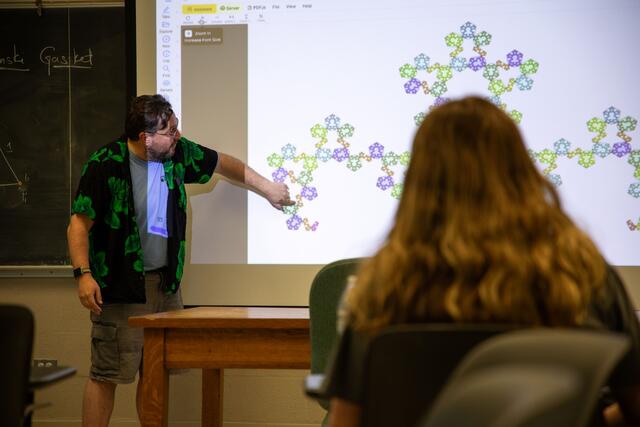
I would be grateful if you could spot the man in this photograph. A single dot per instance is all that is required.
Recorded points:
(127, 237)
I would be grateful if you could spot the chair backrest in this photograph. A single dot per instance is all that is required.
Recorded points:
(406, 366)
(507, 396)
(588, 355)
(326, 289)
(16, 341)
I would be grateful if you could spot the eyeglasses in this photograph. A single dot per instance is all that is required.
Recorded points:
(172, 132)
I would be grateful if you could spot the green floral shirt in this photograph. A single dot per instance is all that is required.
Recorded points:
(105, 195)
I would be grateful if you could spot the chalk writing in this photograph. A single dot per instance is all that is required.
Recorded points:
(13, 62)
(49, 57)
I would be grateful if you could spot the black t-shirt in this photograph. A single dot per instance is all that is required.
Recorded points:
(611, 310)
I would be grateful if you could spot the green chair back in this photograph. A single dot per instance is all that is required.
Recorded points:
(324, 296)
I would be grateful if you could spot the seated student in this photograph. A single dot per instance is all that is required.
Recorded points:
(480, 237)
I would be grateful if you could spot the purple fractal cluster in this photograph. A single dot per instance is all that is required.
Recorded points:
(412, 86)
(514, 58)
(477, 62)
(384, 182)
(309, 193)
(376, 150)
(279, 175)
(440, 100)
(294, 222)
(340, 154)
(621, 149)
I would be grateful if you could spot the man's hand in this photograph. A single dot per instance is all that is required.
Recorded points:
(89, 293)
(277, 193)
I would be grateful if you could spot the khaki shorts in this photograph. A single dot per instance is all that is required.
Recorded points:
(116, 348)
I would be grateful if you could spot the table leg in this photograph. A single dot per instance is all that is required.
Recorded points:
(155, 384)
(212, 388)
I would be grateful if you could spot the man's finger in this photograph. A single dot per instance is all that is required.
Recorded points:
(91, 305)
(99, 296)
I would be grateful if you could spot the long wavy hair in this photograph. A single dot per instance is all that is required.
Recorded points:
(479, 234)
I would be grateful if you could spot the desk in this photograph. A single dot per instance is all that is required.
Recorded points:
(213, 339)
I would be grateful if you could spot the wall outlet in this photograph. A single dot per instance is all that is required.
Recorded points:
(45, 363)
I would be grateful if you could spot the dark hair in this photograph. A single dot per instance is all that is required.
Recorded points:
(147, 113)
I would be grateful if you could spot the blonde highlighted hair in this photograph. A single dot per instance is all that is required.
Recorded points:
(479, 234)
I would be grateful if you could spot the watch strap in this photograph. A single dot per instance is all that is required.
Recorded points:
(77, 272)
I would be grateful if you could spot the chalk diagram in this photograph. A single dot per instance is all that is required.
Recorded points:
(515, 72)
(13, 187)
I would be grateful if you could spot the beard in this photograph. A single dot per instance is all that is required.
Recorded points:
(154, 154)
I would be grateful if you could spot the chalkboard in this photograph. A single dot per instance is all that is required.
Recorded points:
(63, 94)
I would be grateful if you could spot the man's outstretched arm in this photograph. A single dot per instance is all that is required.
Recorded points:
(277, 193)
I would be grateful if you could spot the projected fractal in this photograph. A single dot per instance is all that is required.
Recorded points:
(288, 158)
(587, 157)
(393, 165)
(340, 152)
(458, 64)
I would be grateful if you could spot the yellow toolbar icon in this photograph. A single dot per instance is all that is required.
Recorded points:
(200, 9)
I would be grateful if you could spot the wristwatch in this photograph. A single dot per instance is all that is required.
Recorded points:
(77, 272)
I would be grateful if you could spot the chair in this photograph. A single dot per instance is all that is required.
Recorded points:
(407, 365)
(507, 396)
(326, 289)
(587, 356)
(16, 341)
(19, 380)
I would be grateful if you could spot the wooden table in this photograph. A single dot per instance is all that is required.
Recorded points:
(213, 339)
